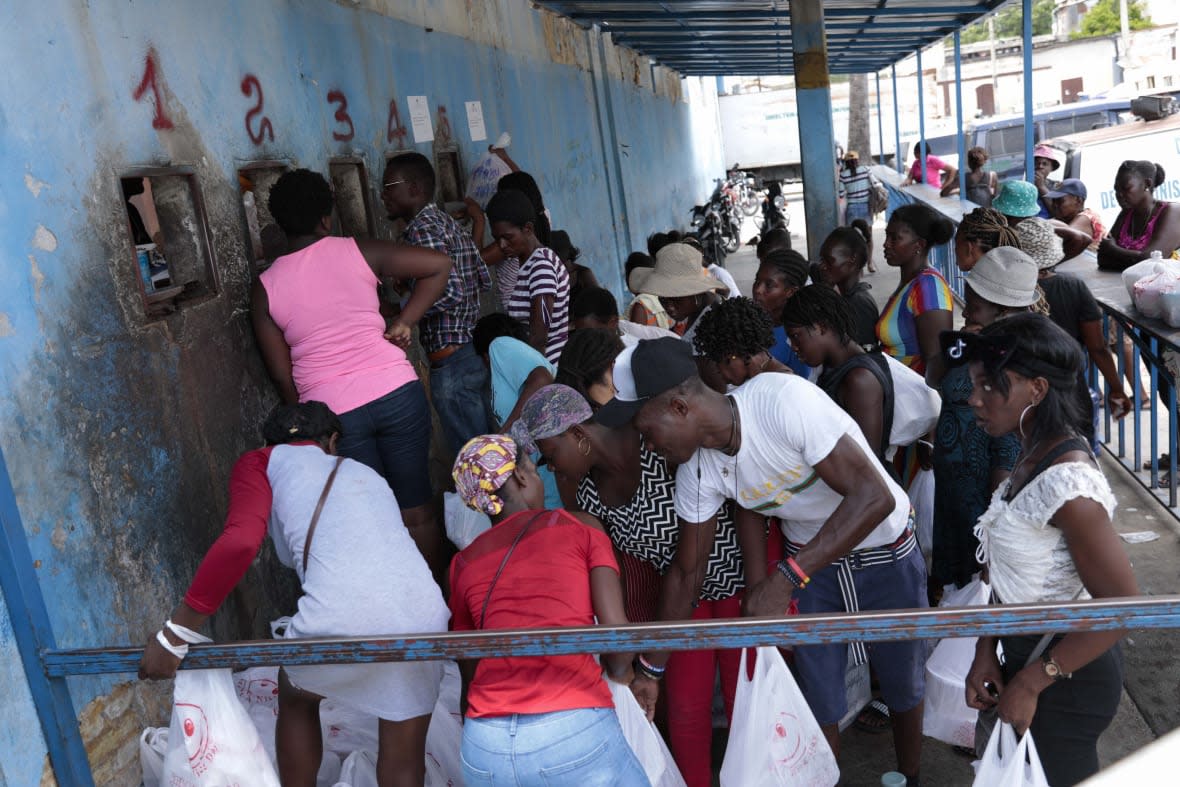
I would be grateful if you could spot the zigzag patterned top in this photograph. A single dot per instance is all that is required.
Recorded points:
(646, 527)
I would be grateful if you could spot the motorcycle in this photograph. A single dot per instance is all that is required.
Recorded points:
(745, 193)
(774, 206)
(706, 228)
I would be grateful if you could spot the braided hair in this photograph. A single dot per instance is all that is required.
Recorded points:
(819, 305)
(989, 228)
(588, 356)
(736, 326)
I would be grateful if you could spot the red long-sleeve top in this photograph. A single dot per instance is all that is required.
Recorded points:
(226, 561)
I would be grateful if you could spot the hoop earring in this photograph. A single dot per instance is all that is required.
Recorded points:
(1020, 423)
(584, 446)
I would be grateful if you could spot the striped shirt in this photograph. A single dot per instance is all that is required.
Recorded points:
(897, 327)
(855, 185)
(544, 274)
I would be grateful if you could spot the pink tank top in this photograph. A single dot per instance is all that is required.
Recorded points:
(1143, 240)
(324, 299)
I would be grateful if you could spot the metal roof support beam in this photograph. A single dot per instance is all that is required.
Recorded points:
(666, 26)
(896, 119)
(813, 98)
(962, 9)
(922, 122)
(1026, 33)
(962, 144)
(880, 123)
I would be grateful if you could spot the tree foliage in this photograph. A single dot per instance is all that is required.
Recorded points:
(1103, 19)
(1010, 19)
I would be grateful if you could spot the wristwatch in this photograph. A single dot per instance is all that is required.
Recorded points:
(1052, 668)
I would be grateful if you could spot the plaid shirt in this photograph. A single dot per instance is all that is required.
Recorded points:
(452, 317)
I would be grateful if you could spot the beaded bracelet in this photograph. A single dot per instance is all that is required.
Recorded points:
(785, 569)
(649, 670)
(798, 570)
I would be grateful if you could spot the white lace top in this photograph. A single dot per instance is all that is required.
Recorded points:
(1027, 558)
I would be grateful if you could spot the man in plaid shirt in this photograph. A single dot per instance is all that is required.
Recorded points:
(458, 378)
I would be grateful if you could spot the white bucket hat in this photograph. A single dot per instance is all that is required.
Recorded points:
(1005, 276)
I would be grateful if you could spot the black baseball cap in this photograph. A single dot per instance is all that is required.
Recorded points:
(644, 371)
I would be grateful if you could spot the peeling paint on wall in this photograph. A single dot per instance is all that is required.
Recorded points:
(34, 186)
(44, 239)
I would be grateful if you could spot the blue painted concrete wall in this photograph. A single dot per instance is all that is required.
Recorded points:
(120, 431)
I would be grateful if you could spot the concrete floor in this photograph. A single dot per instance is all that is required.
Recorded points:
(1151, 700)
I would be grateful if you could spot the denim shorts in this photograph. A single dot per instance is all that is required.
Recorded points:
(579, 748)
(458, 390)
(392, 436)
(900, 666)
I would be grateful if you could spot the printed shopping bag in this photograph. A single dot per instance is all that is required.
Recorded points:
(1006, 763)
(774, 740)
(644, 739)
(211, 740)
(485, 177)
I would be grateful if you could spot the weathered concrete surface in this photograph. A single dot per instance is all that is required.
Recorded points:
(120, 427)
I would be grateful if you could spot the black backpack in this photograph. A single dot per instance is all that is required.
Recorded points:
(876, 363)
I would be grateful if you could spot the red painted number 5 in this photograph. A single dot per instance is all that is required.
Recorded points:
(250, 84)
(149, 82)
(342, 117)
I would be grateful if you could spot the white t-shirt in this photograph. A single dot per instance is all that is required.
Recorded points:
(788, 426)
(632, 332)
(726, 278)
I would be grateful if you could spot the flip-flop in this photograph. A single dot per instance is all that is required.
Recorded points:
(873, 718)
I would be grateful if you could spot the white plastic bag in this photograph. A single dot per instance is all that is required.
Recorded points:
(1141, 269)
(1004, 762)
(947, 717)
(485, 177)
(359, 770)
(211, 740)
(774, 740)
(464, 524)
(1149, 292)
(921, 494)
(915, 405)
(153, 747)
(644, 739)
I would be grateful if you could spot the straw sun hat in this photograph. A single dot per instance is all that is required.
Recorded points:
(678, 273)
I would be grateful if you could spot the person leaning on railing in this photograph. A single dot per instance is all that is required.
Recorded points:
(1144, 224)
(1046, 538)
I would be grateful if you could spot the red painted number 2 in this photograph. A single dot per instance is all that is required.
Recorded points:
(160, 120)
(342, 117)
(394, 128)
(250, 84)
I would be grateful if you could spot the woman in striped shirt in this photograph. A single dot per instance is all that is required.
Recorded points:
(541, 297)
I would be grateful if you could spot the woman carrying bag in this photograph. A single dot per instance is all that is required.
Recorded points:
(1046, 537)
(537, 720)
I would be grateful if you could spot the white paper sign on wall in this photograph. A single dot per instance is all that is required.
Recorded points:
(420, 119)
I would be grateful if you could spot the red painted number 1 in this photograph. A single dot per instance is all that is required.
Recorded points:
(250, 84)
(394, 128)
(342, 117)
(160, 120)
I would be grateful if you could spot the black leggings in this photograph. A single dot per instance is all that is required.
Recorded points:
(1071, 714)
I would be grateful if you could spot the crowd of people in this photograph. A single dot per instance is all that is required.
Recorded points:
(693, 455)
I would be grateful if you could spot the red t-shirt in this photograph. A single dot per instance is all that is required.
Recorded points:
(545, 584)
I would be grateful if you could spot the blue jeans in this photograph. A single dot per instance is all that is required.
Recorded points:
(580, 748)
(392, 436)
(457, 390)
(857, 210)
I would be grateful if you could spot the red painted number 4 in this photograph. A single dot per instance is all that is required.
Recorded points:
(250, 85)
(342, 117)
(149, 82)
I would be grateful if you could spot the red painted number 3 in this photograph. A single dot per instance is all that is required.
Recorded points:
(250, 84)
(342, 117)
(149, 82)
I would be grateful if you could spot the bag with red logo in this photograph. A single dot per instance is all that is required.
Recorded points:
(774, 740)
(212, 741)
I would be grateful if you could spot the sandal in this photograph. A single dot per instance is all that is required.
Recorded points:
(873, 718)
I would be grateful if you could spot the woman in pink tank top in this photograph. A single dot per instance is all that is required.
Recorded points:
(1143, 225)
(317, 318)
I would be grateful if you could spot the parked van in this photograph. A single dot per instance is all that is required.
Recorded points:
(1093, 157)
(1002, 136)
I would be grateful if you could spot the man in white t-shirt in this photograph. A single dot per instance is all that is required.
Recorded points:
(779, 447)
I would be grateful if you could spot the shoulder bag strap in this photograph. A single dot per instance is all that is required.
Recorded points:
(319, 507)
(483, 612)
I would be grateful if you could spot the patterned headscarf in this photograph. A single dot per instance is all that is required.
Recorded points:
(549, 412)
(482, 467)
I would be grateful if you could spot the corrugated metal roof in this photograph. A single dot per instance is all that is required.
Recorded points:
(704, 37)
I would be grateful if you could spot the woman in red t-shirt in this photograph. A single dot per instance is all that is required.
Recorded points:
(534, 719)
